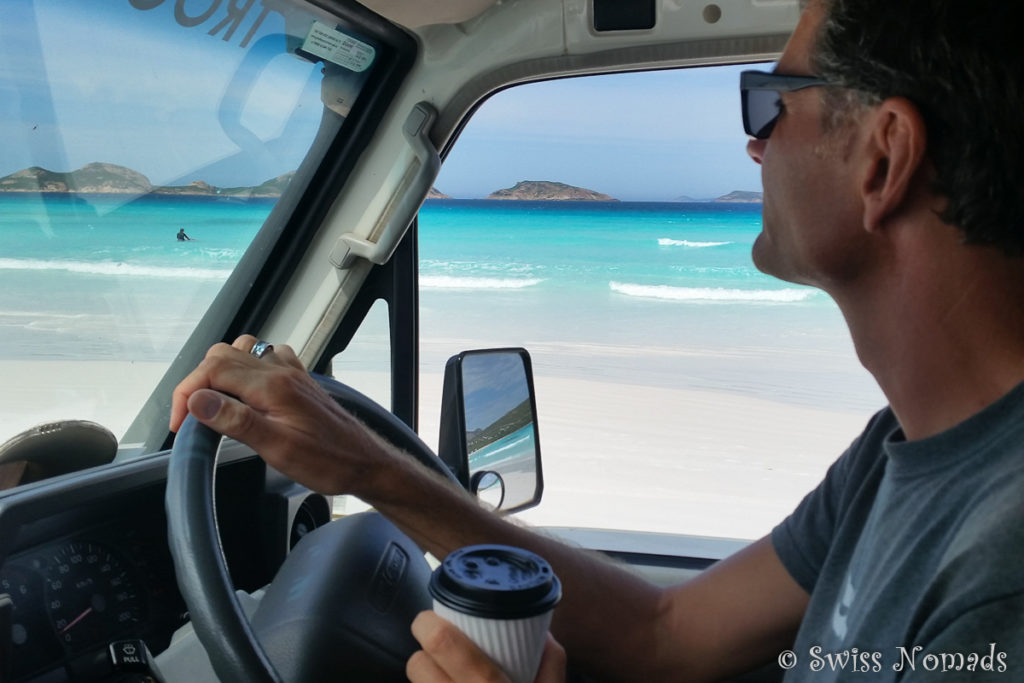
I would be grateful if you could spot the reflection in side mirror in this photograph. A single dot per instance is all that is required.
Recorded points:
(489, 427)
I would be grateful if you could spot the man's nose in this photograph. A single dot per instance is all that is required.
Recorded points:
(755, 148)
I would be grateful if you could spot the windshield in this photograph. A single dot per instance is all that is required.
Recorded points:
(143, 144)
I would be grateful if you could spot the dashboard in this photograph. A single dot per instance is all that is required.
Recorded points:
(72, 597)
(84, 559)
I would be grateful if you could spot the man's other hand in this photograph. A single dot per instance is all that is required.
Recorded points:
(449, 656)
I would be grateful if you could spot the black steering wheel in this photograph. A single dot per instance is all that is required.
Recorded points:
(340, 605)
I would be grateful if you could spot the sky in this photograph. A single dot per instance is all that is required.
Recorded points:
(646, 136)
(493, 384)
(226, 114)
(653, 136)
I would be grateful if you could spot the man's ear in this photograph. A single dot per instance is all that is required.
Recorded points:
(895, 150)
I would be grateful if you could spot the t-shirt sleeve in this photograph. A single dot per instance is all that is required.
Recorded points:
(803, 540)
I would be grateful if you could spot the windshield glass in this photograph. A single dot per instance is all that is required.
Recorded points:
(143, 144)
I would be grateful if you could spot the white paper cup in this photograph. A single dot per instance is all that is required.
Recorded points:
(502, 598)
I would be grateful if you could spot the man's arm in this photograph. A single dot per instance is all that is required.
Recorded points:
(735, 615)
(739, 613)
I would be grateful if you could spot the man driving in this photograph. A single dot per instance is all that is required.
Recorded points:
(891, 152)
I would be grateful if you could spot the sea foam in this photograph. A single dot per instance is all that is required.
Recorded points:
(114, 268)
(448, 282)
(666, 242)
(712, 293)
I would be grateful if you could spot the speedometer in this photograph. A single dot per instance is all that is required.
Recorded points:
(32, 641)
(91, 595)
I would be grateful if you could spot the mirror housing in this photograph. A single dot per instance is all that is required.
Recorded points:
(489, 436)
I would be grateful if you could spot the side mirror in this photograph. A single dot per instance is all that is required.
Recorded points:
(489, 427)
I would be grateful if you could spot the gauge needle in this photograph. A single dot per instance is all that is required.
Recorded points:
(77, 619)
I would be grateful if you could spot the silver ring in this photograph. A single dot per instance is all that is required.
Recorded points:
(260, 348)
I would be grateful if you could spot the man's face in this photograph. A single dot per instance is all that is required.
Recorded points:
(811, 211)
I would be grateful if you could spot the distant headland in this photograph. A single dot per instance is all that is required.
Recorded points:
(101, 178)
(740, 197)
(543, 190)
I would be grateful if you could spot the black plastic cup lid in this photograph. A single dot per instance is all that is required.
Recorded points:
(496, 582)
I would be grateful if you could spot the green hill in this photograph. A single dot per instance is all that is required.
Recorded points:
(102, 178)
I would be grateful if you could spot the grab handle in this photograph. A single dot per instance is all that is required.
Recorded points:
(399, 212)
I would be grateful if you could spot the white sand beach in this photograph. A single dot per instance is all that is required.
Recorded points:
(104, 391)
(706, 463)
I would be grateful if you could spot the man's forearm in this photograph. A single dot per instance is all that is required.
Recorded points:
(608, 617)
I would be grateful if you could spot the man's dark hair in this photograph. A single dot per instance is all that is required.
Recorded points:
(961, 62)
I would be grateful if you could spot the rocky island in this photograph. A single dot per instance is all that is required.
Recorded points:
(741, 197)
(542, 190)
(101, 178)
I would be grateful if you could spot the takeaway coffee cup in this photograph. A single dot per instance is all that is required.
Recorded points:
(502, 598)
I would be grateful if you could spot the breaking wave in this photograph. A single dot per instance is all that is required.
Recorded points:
(115, 268)
(712, 293)
(666, 242)
(449, 282)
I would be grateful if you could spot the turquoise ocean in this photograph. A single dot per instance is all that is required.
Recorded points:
(94, 277)
(598, 270)
(659, 294)
(645, 293)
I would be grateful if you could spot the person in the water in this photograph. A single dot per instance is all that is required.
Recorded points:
(182, 237)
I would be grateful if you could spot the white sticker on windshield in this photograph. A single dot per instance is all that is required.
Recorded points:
(329, 43)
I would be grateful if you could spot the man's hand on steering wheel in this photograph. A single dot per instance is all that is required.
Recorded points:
(331, 438)
(271, 404)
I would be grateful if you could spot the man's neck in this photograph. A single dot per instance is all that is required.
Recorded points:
(942, 331)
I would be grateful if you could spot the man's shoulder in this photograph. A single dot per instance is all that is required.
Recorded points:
(978, 575)
(993, 522)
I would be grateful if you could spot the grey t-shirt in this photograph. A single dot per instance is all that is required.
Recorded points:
(911, 552)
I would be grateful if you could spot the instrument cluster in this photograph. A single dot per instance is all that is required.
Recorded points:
(71, 598)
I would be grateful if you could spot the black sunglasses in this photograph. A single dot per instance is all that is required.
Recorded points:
(760, 95)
